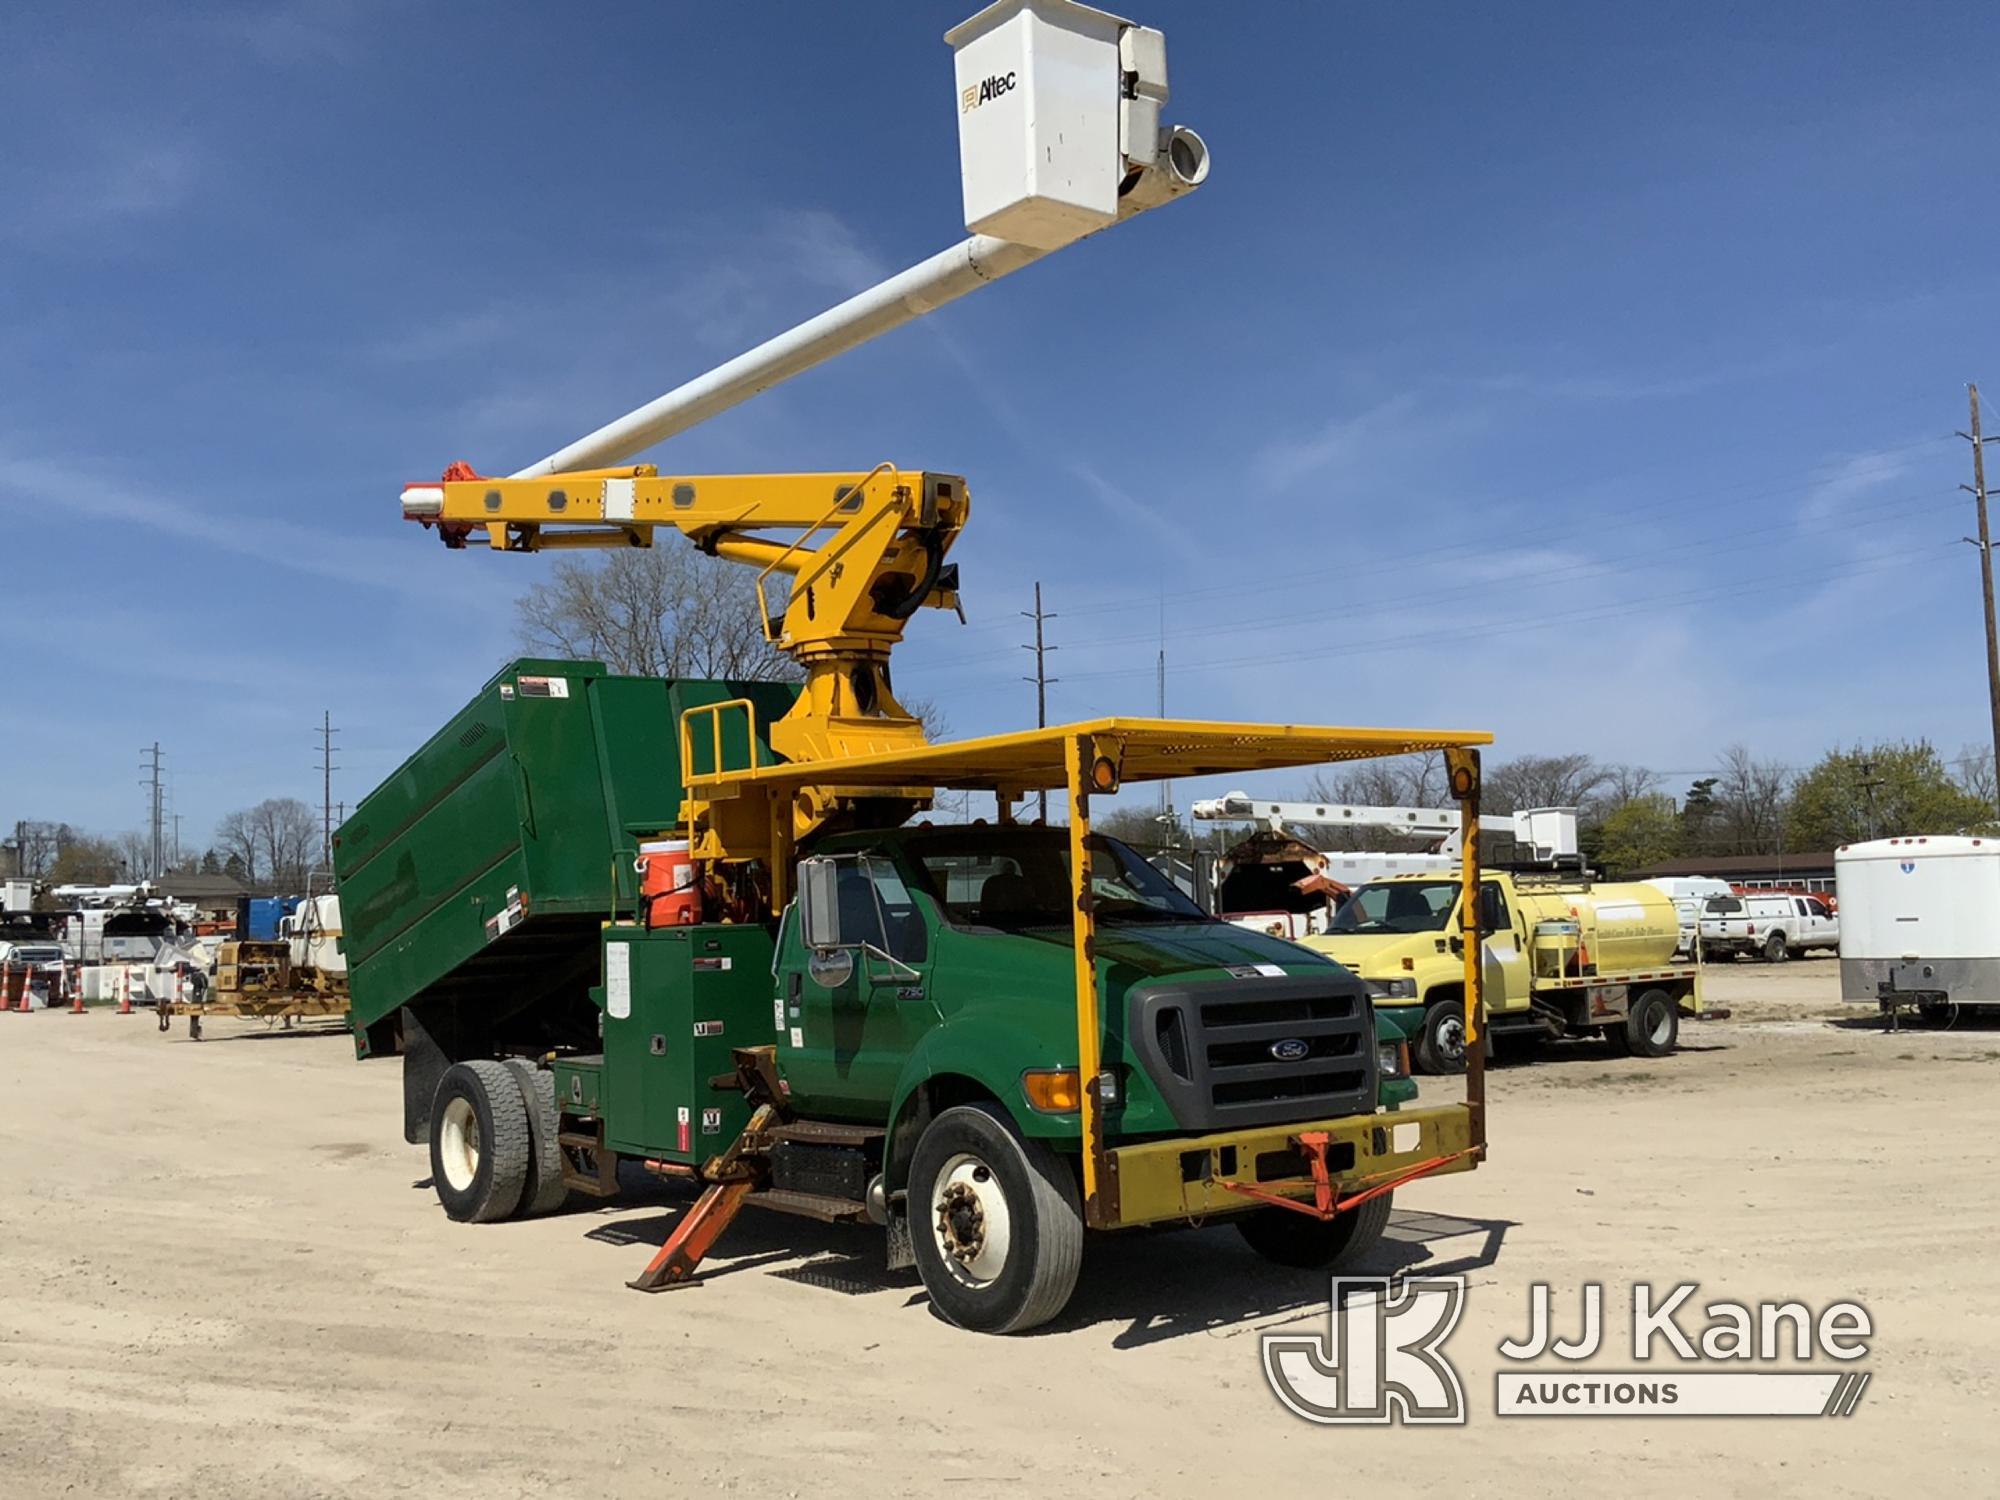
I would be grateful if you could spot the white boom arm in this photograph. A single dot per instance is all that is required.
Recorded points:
(1059, 137)
(1548, 832)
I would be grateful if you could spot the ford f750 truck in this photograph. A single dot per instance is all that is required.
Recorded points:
(900, 1041)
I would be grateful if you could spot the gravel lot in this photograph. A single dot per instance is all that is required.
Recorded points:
(220, 1276)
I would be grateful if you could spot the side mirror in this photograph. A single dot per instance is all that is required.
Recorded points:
(1491, 917)
(819, 904)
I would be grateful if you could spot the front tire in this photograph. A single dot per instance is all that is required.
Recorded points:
(1291, 1239)
(995, 1221)
(1441, 1044)
(480, 1142)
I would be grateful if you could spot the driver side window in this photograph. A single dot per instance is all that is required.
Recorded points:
(876, 908)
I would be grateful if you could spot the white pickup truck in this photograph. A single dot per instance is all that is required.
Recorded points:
(1776, 927)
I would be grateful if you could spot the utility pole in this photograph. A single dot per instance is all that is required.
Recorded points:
(326, 770)
(1977, 489)
(152, 785)
(177, 840)
(1869, 784)
(1041, 679)
(1166, 786)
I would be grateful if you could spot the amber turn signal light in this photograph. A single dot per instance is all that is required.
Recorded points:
(1053, 1091)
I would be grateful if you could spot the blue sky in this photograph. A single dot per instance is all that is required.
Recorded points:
(1642, 329)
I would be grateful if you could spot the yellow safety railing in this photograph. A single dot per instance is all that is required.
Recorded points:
(714, 712)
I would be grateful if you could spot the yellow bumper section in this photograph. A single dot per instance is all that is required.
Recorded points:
(1182, 1179)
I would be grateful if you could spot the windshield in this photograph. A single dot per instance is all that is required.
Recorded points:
(1398, 906)
(1019, 877)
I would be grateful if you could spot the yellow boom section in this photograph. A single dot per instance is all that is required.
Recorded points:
(858, 553)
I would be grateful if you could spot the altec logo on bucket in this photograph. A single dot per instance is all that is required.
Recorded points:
(1382, 1358)
(975, 94)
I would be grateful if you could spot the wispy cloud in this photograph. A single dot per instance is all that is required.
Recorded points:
(87, 494)
(1340, 442)
(291, 32)
(103, 183)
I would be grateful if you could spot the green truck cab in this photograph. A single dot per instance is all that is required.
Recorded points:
(918, 997)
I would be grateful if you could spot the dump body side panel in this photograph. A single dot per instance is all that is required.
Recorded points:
(482, 869)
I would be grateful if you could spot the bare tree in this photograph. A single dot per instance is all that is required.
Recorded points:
(275, 843)
(236, 839)
(288, 836)
(1399, 781)
(1974, 769)
(1542, 781)
(665, 611)
(1750, 803)
(135, 854)
(1622, 786)
(34, 847)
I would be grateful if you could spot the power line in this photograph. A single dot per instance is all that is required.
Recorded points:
(1708, 498)
(1539, 619)
(1856, 519)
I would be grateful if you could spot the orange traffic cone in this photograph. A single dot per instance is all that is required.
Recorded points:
(125, 995)
(27, 992)
(73, 981)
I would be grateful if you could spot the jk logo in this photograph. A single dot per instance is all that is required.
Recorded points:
(1381, 1359)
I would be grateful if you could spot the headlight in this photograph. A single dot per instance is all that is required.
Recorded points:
(1392, 1059)
(1391, 989)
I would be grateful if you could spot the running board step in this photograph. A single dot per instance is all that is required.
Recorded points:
(808, 1205)
(824, 1133)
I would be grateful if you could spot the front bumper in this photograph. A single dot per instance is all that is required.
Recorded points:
(1158, 1181)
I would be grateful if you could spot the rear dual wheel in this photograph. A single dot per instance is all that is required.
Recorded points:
(1651, 1028)
(493, 1141)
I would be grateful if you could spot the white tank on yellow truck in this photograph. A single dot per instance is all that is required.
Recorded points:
(1564, 956)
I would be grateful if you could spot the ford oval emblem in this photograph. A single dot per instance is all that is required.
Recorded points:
(1291, 1049)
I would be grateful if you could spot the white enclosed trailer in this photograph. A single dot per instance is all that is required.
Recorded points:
(1920, 922)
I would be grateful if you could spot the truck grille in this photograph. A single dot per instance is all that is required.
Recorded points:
(1257, 1051)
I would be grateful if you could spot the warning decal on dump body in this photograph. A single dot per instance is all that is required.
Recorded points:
(543, 687)
(684, 1141)
(618, 980)
(711, 1122)
(708, 1028)
(710, 965)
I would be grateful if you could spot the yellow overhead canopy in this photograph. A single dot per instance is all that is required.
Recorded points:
(1153, 749)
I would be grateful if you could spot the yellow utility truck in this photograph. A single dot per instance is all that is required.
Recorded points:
(1564, 956)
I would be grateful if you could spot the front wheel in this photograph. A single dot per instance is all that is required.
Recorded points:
(996, 1222)
(1291, 1239)
(1441, 1043)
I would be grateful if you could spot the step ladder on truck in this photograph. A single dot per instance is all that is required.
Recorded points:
(987, 1038)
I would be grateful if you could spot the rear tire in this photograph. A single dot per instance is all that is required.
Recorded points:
(480, 1142)
(995, 1222)
(1291, 1239)
(544, 1191)
(1775, 951)
(1652, 1026)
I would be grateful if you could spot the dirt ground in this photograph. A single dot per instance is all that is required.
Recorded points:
(220, 1276)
